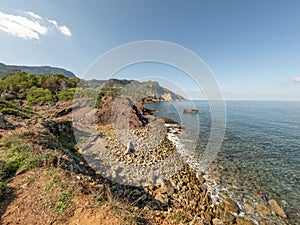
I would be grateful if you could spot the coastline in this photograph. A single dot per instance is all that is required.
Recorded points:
(186, 193)
(186, 189)
(258, 212)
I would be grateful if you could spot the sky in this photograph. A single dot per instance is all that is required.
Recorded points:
(252, 48)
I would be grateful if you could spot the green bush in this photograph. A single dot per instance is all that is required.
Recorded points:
(99, 102)
(66, 94)
(39, 95)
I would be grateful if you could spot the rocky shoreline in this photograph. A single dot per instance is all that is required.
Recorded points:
(263, 212)
(186, 190)
(183, 192)
(182, 187)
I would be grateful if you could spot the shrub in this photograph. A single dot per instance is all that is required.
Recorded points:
(66, 94)
(39, 95)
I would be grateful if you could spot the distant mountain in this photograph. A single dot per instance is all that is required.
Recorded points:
(6, 70)
(133, 88)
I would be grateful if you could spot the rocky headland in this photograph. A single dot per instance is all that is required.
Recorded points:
(54, 172)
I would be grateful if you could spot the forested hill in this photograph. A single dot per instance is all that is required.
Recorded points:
(149, 89)
(7, 70)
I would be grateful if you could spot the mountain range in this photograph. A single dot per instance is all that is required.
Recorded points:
(133, 88)
(12, 69)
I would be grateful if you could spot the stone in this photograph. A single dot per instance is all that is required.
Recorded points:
(207, 216)
(136, 193)
(166, 185)
(266, 223)
(263, 210)
(248, 208)
(217, 221)
(8, 96)
(230, 205)
(64, 111)
(162, 198)
(243, 221)
(130, 148)
(2, 122)
(227, 217)
(21, 171)
(143, 197)
(276, 208)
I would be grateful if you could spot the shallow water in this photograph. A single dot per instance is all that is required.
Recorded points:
(260, 157)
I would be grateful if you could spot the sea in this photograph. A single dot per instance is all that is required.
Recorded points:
(259, 158)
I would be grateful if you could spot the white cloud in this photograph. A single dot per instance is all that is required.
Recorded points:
(31, 26)
(34, 15)
(63, 29)
(21, 26)
(53, 22)
(296, 79)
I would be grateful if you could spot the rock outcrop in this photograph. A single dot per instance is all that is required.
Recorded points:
(4, 124)
(122, 112)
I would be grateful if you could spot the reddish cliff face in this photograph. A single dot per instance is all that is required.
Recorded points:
(122, 112)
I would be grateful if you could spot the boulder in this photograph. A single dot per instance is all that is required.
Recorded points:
(243, 221)
(122, 112)
(227, 217)
(8, 96)
(230, 206)
(276, 208)
(248, 208)
(4, 124)
(263, 210)
(217, 221)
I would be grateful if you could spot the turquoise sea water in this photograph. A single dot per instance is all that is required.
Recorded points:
(260, 157)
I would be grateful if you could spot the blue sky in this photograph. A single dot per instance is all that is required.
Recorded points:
(252, 47)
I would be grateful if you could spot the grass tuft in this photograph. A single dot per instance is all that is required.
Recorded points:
(63, 201)
(179, 217)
